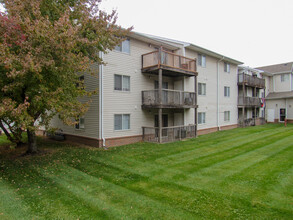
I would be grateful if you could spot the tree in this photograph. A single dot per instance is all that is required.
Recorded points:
(44, 47)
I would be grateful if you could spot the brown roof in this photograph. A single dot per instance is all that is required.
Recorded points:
(278, 68)
(279, 95)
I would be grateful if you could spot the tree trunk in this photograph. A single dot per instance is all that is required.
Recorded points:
(32, 142)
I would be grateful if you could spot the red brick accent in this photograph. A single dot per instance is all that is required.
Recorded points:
(276, 121)
(110, 142)
(214, 129)
(94, 142)
(118, 141)
(207, 131)
(289, 120)
(228, 127)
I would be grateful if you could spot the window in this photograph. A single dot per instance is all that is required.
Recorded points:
(227, 91)
(80, 81)
(80, 123)
(121, 122)
(226, 115)
(201, 88)
(201, 118)
(124, 47)
(227, 67)
(284, 77)
(121, 83)
(201, 60)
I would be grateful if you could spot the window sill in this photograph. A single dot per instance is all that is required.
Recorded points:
(121, 52)
(122, 130)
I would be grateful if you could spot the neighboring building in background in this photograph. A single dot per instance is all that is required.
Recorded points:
(159, 90)
(279, 90)
(251, 95)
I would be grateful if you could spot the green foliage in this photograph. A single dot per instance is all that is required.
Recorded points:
(45, 46)
(237, 174)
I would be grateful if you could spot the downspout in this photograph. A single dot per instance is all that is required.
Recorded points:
(101, 101)
(218, 92)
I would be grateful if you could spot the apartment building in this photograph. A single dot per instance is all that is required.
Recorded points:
(157, 90)
(251, 94)
(279, 90)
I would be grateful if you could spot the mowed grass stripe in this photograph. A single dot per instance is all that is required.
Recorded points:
(242, 177)
(205, 148)
(105, 195)
(229, 153)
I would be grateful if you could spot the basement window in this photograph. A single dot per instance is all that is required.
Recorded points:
(226, 115)
(121, 122)
(80, 123)
(201, 118)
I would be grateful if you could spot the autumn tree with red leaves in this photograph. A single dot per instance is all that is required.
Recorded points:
(44, 46)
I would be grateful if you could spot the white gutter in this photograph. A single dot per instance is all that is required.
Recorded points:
(101, 100)
(285, 108)
(218, 92)
(273, 83)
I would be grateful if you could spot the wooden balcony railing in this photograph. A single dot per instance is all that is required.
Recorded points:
(170, 99)
(251, 80)
(249, 101)
(168, 61)
(251, 122)
(169, 134)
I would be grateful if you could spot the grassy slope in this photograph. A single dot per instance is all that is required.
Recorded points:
(241, 173)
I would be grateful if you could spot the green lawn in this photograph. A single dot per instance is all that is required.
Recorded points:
(241, 173)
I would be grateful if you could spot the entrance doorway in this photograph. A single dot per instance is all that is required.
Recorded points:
(164, 124)
(282, 114)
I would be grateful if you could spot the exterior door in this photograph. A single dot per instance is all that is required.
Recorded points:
(164, 122)
(282, 114)
(271, 115)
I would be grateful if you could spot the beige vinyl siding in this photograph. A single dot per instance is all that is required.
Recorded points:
(119, 102)
(91, 117)
(281, 86)
(208, 103)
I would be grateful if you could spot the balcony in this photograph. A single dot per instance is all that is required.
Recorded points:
(252, 81)
(169, 134)
(170, 63)
(249, 101)
(251, 122)
(170, 99)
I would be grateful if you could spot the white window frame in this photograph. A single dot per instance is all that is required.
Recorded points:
(200, 119)
(123, 47)
(122, 127)
(123, 89)
(226, 91)
(81, 123)
(227, 115)
(202, 89)
(226, 67)
(284, 77)
(202, 60)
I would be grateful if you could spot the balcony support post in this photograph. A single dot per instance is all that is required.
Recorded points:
(195, 109)
(160, 103)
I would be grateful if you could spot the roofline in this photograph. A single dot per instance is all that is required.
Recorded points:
(190, 46)
(250, 68)
(144, 38)
(213, 54)
(289, 97)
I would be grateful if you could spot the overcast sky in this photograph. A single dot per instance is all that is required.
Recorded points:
(256, 32)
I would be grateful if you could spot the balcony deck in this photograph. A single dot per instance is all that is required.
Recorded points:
(249, 101)
(252, 81)
(170, 63)
(169, 134)
(251, 122)
(170, 99)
